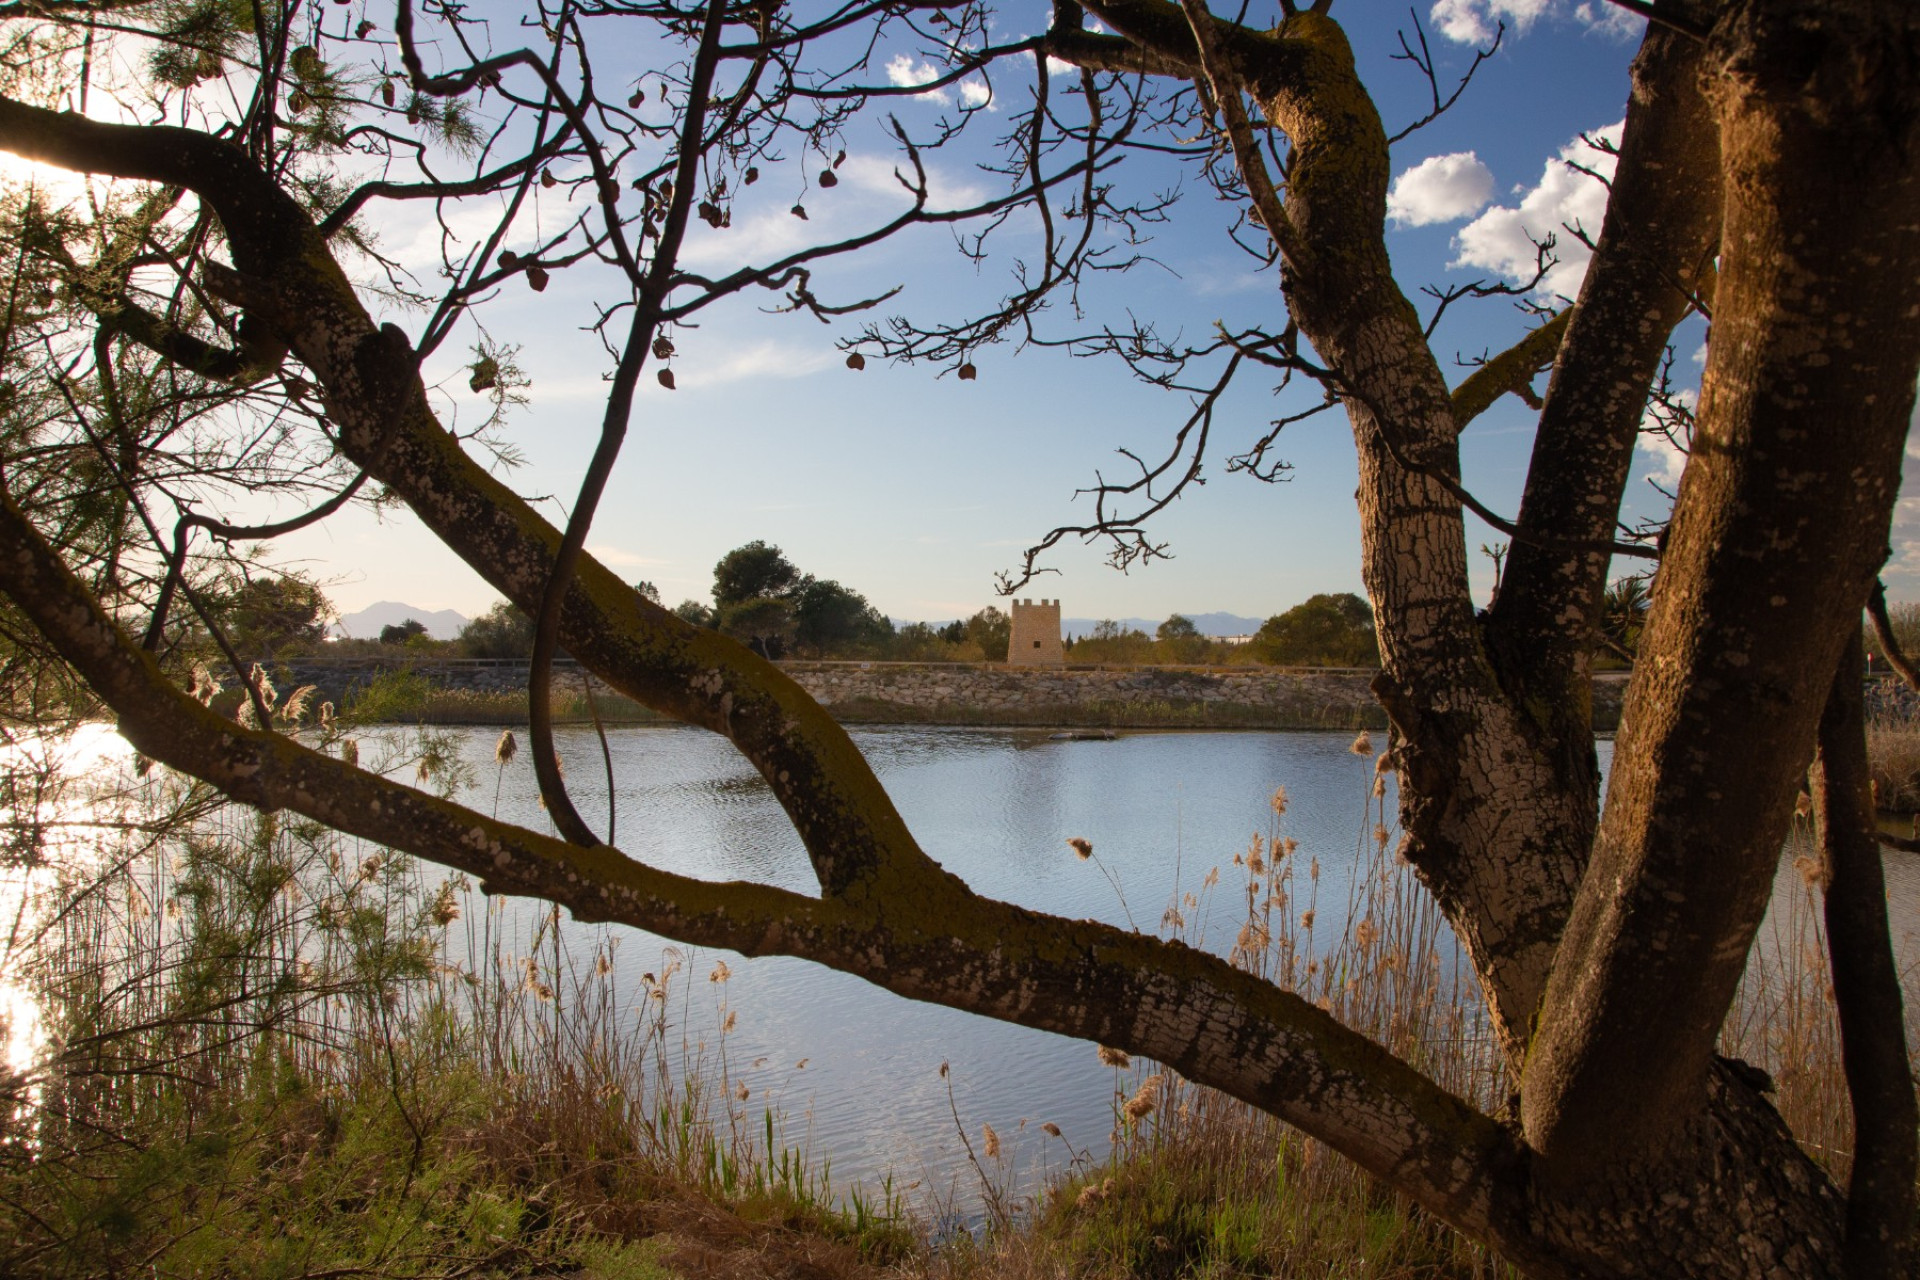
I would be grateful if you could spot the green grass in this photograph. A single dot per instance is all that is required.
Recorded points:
(265, 1057)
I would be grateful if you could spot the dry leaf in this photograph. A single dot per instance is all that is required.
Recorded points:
(666, 378)
(537, 277)
(856, 361)
(829, 179)
(967, 373)
(799, 211)
(386, 92)
(753, 175)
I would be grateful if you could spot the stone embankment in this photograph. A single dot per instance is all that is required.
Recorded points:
(985, 693)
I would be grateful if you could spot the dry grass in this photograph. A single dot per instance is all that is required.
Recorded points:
(273, 1050)
(1203, 1186)
(1893, 748)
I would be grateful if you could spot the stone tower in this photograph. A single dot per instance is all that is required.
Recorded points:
(1036, 635)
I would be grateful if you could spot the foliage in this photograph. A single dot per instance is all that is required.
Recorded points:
(1322, 631)
(390, 696)
(503, 631)
(830, 619)
(1624, 615)
(751, 572)
(402, 632)
(764, 622)
(1111, 642)
(271, 614)
(1178, 640)
(693, 613)
(991, 630)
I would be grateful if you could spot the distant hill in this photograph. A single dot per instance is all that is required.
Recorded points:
(1210, 624)
(441, 624)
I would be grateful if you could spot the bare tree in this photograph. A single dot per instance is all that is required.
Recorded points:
(1768, 173)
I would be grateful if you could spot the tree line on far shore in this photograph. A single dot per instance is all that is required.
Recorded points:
(762, 599)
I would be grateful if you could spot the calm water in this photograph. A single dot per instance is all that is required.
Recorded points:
(995, 806)
(854, 1071)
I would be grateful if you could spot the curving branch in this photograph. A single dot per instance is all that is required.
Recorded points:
(925, 938)
(1866, 989)
(1890, 642)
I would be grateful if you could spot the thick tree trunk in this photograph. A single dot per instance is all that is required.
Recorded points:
(1780, 526)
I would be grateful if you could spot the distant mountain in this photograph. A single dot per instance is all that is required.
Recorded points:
(441, 624)
(1209, 624)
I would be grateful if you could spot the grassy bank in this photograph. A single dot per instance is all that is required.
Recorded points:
(275, 1051)
(410, 698)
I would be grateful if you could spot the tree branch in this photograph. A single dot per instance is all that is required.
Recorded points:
(1509, 371)
(933, 940)
(1866, 989)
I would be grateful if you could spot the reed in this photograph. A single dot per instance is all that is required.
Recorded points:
(1197, 1184)
(1893, 752)
(273, 1050)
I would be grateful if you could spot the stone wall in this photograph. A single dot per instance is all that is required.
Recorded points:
(962, 693)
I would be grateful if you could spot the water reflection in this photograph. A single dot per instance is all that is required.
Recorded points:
(855, 1069)
(996, 807)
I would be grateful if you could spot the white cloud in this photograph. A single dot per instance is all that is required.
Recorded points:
(1475, 21)
(615, 558)
(1502, 239)
(1665, 459)
(876, 174)
(1610, 20)
(711, 361)
(975, 93)
(904, 73)
(1440, 189)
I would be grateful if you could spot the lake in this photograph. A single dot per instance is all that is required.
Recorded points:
(856, 1072)
(997, 808)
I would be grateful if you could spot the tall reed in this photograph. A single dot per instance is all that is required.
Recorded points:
(1198, 1184)
(272, 1050)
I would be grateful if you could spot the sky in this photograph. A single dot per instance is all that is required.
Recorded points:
(915, 488)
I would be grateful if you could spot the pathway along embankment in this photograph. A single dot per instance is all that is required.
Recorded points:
(944, 693)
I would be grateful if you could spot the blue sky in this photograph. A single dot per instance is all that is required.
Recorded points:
(915, 489)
